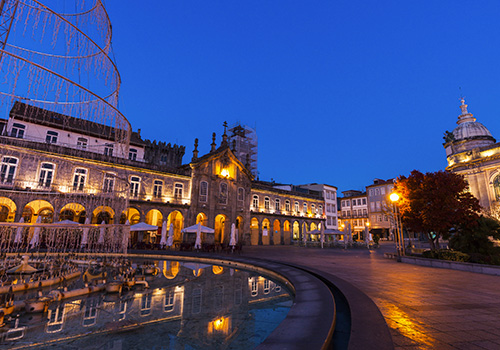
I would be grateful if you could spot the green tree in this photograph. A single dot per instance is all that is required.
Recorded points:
(434, 203)
(476, 239)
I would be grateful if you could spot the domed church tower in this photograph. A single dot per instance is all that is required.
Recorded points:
(472, 152)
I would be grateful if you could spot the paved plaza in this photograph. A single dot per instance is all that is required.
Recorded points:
(425, 308)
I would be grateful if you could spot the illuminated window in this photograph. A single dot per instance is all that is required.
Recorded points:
(254, 287)
(18, 130)
(277, 204)
(79, 179)
(178, 187)
(168, 304)
(109, 183)
(46, 175)
(51, 137)
(296, 207)
(241, 194)
(223, 193)
(108, 149)
(135, 183)
(287, 205)
(255, 201)
(203, 191)
(157, 188)
(8, 170)
(81, 143)
(132, 154)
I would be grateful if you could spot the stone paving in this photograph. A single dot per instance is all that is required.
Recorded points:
(425, 308)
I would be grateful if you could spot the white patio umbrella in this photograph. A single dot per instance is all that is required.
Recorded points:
(170, 239)
(197, 244)
(19, 232)
(232, 241)
(322, 238)
(163, 241)
(35, 240)
(85, 234)
(102, 232)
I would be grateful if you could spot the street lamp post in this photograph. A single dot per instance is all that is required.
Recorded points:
(394, 197)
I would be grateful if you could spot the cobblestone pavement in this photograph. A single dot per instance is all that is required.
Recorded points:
(425, 308)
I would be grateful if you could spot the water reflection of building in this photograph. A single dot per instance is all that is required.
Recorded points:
(58, 167)
(194, 303)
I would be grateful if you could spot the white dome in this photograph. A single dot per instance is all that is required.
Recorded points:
(469, 129)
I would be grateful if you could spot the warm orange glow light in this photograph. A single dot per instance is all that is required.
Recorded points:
(224, 173)
(394, 197)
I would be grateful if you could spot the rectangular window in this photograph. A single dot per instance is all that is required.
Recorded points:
(241, 194)
(254, 287)
(267, 203)
(8, 170)
(255, 201)
(327, 194)
(18, 130)
(296, 207)
(223, 193)
(51, 137)
(365, 213)
(81, 143)
(382, 190)
(135, 183)
(196, 305)
(203, 191)
(46, 175)
(108, 149)
(132, 154)
(168, 304)
(277, 205)
(109, 183)
(79, 179)
(157, 188)
(372, 206)
(364, 201)
(287, 205)
(178, 190)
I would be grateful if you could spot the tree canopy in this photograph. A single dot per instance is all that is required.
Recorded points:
(434, 203)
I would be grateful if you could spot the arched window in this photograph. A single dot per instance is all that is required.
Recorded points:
(277, 204)
(203, 191)
(267, 203)
(305, 207)
(496, 187)
(296, 207)
(255, 201)
(287, 205)
(8, 170)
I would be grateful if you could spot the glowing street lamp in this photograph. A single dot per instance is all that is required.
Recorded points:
(394, 197)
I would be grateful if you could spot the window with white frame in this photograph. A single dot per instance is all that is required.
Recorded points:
(178, 188)
(267, 286)
(79, 179)
(168, 304)
(109, 183)
(146, 304)
(203, 191)
(267, 203)
(277, 204)
(364, 201)
(18, 130)
(51, 136)
(157, 188)
(82, 143)
(241, 194)
(255, 201)
(108, 149)
(46, 174)
(8, 170)
(365, 213)
(296, 204)
(135, 183)
(223, 193)
(287, 205)
(254, 287)
(327, 194)
(132, 154)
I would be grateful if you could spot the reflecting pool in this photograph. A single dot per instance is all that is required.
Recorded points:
(173, 305)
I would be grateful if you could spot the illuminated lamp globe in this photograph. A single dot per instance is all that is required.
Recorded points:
(394, 197)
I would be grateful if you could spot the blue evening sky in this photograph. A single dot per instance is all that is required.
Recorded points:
(340, 92)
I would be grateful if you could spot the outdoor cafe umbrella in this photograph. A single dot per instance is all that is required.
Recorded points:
(19, 232)
(85, 234)
(232, 241)
(197, 244)
(102, 232)
(170, 239)
(142, 226)
(163, 241)
(35, 240)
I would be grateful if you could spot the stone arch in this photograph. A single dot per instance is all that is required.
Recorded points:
(266, 227)
(254, 231)
(277, 239)
(170, 269)
(155, 217)
(220, 228)
(177, 219)
(286, 232)
(103, 213)
(74, 212)
(8, 208)
(40, 208)
(202, 218)
(133, 215)
(217, 270)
